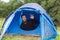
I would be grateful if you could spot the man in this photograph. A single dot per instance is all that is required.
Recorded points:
(26, 25)
(34, 22)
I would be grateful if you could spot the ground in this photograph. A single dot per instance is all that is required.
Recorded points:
(19, 37)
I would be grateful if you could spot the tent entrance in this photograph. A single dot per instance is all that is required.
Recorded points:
(30, 26)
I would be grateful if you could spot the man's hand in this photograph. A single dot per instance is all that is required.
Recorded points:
(32, 16)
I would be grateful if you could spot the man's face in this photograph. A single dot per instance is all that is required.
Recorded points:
(24, 18)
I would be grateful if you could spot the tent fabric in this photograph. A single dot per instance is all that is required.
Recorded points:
(45, 29)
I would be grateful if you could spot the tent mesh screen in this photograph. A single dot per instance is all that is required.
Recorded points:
(47, 30)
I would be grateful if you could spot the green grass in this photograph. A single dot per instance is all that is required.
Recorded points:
(1, 23)
(19, 37)
(57, 38)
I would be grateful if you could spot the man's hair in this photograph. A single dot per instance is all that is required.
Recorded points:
(23, 15)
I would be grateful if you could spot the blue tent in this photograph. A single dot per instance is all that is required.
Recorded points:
(46, 29)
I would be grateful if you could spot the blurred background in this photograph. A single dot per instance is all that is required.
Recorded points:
(51, 6)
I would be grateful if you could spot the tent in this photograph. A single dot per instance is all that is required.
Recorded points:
(46, 29)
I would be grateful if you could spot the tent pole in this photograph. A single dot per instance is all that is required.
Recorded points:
(42, 27)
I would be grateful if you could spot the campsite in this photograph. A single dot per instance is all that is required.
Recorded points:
(44, 27)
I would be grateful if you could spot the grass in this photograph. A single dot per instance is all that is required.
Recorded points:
(57, 38)
(1, 23)
(19, 37)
